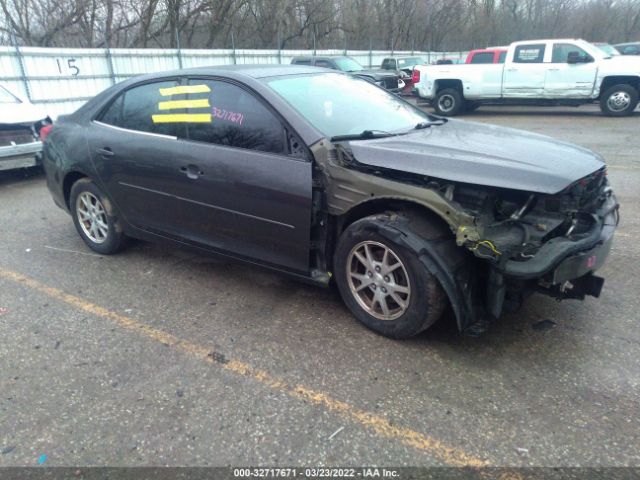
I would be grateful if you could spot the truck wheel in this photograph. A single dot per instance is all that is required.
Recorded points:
(449, 102)
(384, 284)
(619, 101)
(94, 218)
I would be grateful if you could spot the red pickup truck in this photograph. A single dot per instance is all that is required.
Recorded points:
(487, 55)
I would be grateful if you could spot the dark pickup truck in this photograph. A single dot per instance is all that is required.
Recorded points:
(388, 80)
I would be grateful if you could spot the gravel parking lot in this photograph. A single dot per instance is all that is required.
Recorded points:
(162, 357)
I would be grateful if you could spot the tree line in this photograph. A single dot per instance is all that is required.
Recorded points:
(437, 25)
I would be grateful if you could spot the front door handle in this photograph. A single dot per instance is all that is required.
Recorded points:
(105, 152)
(192, 171)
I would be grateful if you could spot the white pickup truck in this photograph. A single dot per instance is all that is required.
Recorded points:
(535, 72)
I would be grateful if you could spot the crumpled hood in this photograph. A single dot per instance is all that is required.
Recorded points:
(475, 153)
(20, 113)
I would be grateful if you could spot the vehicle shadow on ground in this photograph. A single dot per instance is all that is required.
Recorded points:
(9, 177)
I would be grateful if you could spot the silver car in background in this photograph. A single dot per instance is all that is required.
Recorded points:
(23, 127)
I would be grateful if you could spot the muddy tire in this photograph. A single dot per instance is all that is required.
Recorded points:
(384, 283)
(619, 101)
(448, 102)
(94, 218)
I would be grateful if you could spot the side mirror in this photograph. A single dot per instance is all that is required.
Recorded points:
(573, 57)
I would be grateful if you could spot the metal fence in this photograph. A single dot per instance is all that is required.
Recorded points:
(62, 79)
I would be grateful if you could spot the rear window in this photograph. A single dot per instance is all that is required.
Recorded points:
(148, 108)
(533, 53)
(482, 57)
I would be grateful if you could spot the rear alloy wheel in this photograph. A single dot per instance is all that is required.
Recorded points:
(619, 101)
(448, 102)
(93, 218)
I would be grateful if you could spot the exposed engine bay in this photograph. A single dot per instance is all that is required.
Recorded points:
(524, 241)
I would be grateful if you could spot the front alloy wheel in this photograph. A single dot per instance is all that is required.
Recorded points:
(384, 283)
(378, 280)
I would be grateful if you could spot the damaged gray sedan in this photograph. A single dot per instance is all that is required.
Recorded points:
(327, 177)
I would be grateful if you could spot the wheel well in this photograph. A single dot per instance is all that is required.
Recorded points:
(609, 82)
(382, 205)
(449, 83)
(69, 180)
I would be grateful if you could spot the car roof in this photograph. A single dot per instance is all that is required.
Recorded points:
(235, 71)
(309, 57)
(628, 44)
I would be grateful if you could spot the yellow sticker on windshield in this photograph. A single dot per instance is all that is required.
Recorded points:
(182, 89)
(182, 118)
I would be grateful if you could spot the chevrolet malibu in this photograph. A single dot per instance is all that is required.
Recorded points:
(328, 177)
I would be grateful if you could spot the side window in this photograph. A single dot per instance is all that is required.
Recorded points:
(503, 57)
(225, 114)
(529, 53)
(482, 57)
(631, 50)
(561, 52)
(301, 61)
(113, 114)
(147, 108)
(388, 64)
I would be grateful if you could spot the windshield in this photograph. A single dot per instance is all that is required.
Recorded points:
(347, 64)
(8, 97)
(608, 49)
(339, 104)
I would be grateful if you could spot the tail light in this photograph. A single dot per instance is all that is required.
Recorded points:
(45, 131)
(415, 77)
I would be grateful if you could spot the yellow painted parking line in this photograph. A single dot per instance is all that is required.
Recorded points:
(377, 424)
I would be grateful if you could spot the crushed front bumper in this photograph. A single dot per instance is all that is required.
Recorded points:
(561, 259)
(20, 155)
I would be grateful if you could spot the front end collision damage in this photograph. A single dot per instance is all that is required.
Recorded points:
(514, 243)
(20, 144)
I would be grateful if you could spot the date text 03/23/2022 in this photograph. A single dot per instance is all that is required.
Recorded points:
(320, 472)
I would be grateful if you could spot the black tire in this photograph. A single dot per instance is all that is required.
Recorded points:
(114, 240)
(627, 103)
(448, 102)
(427, 300)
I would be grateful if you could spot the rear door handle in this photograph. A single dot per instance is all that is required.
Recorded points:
(105, 152)
(192, 171)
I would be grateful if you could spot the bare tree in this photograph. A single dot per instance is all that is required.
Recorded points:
(353, 24)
